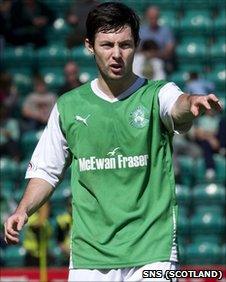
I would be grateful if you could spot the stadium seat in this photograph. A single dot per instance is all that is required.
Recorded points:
(59, 29)
(218, 76)
(60, 7)
(209, 194)
(53, 78)
(87, 73)
(198, 4)
(23, 82)
(183, 194)
(169, 18)
(204, 253)
(186, 169)
(220, 22)
(22, 56)
(179, 77)
(59, 198)
(207, 222)
(14, 256)
(191, 50)
(223, 254)
(53, 55)
(183, 222)
(9, 169)
(200, 169)
(82, 57)
(218, 50)
(164, 5)
(28, 142)
(196, 22)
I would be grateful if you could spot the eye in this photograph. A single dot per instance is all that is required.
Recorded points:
(125, 45)
(106, 45)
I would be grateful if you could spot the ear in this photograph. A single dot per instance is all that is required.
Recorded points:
(89, 46)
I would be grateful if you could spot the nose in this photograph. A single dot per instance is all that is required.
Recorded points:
(116, 52)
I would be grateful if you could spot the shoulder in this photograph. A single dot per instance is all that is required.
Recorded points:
(74, 94)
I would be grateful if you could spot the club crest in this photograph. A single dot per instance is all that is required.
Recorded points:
(139, 117)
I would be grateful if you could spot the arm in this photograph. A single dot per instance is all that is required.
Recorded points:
(46, 169)
(188, 107)
(36, 194)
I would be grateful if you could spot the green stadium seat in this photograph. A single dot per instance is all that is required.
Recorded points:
(209, 194)
(59, 198)
(23, 83)
(164, 5)
(205, 253)
(220, 23)
(196, 22)
(22, 56)
(179, 77)
(14, 256)
(183, 194)
(218, 76)
(82, 57)
(59, 29)
(200, 169)
(29, 141)
(53, 55)
(169, 18)
(191, 50)
(53, 79)
(87, 74)
(9, 169)
(186, 169)
(223, 254)
(198, 4)
(218, 50)
(59, 7)
(208, 222)
(183, 222)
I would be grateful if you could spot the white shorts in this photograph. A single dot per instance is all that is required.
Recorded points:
(125, 274)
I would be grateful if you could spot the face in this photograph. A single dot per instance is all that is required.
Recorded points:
(71, 72)
(152, 17)
(114, 53)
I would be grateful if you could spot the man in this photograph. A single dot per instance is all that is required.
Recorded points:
(162, 35)
(116, 133)
(71, 74)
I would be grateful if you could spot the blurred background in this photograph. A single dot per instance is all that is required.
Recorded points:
(43, 56)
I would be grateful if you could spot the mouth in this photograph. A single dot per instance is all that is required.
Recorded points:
(116, 68)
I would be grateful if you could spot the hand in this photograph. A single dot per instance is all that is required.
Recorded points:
(202, 104)
(13, 225)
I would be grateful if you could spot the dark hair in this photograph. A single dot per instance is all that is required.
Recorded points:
(111, 16)
(149, 45)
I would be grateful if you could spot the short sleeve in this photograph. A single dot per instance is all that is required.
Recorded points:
(168, 95)
(51, 156)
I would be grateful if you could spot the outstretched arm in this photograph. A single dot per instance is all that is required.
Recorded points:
(36, 194)
(189, 107)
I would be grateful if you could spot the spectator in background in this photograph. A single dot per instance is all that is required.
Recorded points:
(8, 93)
(38, 229)
(28, 20)
(162, 35)
(76, 17)
(9, 133)
(146, 62)
(221, 135)
(37, 106)
(64, 222)
(195, 84)
(71, 74)
(5, 19)
(205, 133)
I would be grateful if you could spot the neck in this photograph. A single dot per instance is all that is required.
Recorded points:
(113, 88)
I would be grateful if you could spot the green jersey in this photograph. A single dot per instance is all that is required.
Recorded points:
(122, 178)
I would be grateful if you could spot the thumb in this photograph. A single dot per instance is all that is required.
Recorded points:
(21, 222)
